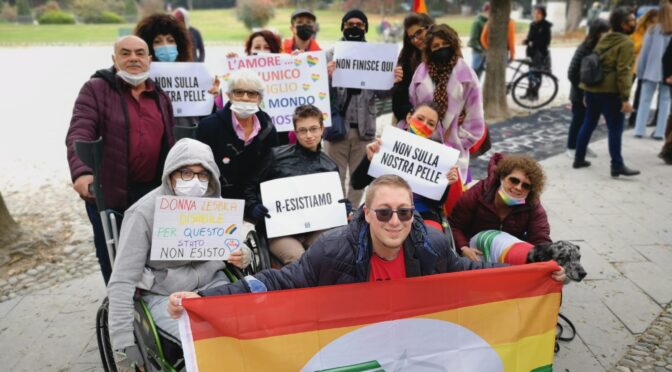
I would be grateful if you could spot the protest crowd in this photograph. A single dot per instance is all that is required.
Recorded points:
(288, 130)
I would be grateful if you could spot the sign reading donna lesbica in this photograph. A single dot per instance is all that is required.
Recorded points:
(290, 81)
(364, 65)
(303, 203)
(187, 84)
(423, 163)
(196, 229)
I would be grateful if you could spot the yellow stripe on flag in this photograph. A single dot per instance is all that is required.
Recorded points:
(519, 330)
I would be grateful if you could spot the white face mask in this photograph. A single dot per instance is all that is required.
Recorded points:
(133, 79)
(244, 109)
(195, 187)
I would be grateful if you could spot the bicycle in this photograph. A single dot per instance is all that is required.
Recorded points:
(531, 89)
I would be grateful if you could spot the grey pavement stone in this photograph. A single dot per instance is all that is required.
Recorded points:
(635, 309)
(7, 306)
(655, 281)
(575, 356)
(596, 266)
(608, 245)
(660, 255)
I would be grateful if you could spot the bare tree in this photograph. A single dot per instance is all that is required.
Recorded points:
(494, 89)
(14, 241)
(574, 15)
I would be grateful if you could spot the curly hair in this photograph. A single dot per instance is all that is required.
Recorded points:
(272, 39)
(440, 72)
(163, 24)
(527, 165)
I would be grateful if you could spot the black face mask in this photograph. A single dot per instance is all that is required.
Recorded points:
(304, 32)
(353, 34)
(442, 56)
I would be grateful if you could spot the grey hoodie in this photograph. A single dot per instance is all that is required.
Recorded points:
(132, 264)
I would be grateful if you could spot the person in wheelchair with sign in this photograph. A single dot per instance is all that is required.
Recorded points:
(421, 121)
(303, 158)
(190, 170)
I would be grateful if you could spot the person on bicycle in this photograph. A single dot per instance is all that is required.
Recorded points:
(303, 158)
(135, 143)
(190, 170)
(447, 80)
(385, 240)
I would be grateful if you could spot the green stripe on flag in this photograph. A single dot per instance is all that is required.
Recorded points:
(546, 368)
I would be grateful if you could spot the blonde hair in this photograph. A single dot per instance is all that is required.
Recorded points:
(665, 17)
(389, 180)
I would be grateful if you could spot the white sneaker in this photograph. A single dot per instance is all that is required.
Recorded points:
(590, 153)
(570, 153)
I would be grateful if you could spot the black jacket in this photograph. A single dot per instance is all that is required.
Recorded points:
(538, 39)
(343, 255)
(667, 62)
(401, 101)
(286, 161)
(574, 72)
(237, 163)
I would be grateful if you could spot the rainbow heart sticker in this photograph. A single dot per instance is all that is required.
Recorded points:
(324, 116)
(322, 95)
(297, 62)
(226, 76)
(306, 87)
(312, 61)
(315, 77)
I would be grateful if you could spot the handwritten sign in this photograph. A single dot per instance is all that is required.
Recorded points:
(364, 65)
(196, 229)
(186, 84)
(421, 162)
(303, 203)
(290, 81)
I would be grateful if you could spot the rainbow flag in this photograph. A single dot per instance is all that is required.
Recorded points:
(481, 320)
(419, 6)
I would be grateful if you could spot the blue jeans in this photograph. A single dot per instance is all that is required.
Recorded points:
(648, 89)
(99, 241)
(478, 63)
(609, 105)
(578, 115)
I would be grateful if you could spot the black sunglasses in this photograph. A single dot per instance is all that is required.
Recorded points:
(385, 214)
(515, 181)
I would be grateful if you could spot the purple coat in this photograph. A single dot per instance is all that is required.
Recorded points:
(100, 110)
(464, 93)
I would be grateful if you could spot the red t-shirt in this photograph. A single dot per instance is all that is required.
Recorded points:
(387, 270)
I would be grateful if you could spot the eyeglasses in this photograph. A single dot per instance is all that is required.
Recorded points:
(417, 33)
(304, 131)
(239, 93)
(515, 181)
(188, 175)
(385, 214)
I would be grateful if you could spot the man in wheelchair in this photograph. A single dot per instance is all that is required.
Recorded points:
(190, 170)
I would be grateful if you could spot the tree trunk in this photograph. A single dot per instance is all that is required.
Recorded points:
(494, 88)
(573, 15)
(9, 229)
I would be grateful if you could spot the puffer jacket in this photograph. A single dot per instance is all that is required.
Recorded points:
(237, 162)
(574, 73)
(286, 161)
(617, 55)
(475, 212)
(538, 39)
(343, 255)
(101, 111)
(132, 266)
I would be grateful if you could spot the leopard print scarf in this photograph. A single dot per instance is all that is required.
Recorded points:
(440, 74)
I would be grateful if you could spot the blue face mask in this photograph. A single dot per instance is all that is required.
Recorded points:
(166, 53)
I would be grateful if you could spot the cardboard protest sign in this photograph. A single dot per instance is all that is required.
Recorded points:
(196, 229)
(290, 81)
(303, 203)
(186, 84)
(421, 162)
(364, 65)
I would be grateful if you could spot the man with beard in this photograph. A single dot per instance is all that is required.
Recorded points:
(304, 28)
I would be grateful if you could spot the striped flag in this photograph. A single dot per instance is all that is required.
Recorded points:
(419, 6)
(481, 320)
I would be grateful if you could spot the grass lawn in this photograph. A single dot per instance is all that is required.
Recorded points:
(215, 26)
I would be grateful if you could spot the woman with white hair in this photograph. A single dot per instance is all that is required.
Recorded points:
(240, 134)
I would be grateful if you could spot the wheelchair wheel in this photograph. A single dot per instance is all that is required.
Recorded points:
(534, 89)
(103, 337)
(260, 257)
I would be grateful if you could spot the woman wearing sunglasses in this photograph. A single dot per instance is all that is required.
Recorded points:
(507, 200)
(422, 121)
(240, 134)
(410, 57)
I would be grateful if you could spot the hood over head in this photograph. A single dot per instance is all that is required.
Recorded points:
(187, 152)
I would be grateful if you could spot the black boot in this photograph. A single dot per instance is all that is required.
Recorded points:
(580, 164)
(625, 171)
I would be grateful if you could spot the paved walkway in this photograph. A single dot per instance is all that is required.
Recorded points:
(622, 225)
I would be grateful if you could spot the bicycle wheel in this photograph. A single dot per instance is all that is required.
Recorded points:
(534, 89)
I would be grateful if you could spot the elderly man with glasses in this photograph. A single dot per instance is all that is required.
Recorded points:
(240, 134)
(385, 240)
(303, 158)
